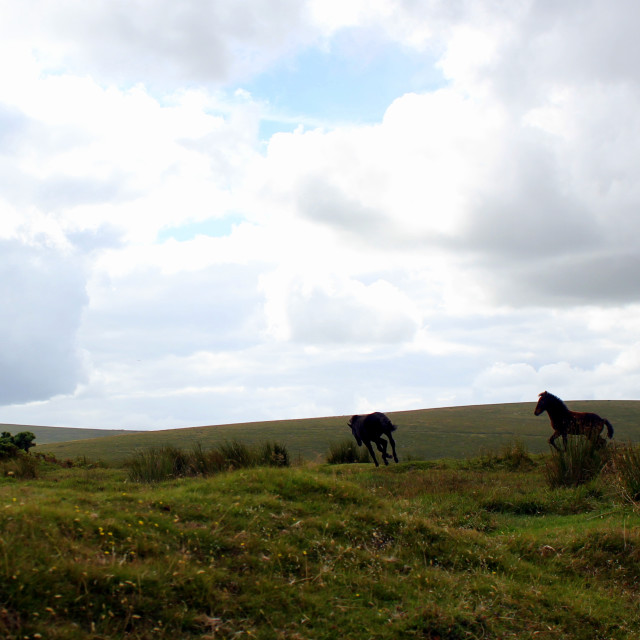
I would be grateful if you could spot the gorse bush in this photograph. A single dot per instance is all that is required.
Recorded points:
(163, 463)
(580, 463)
(346, 451)
(12, 446)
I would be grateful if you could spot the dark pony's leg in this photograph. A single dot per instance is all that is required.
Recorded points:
(373, 455)
(393, 446)
(381, 443)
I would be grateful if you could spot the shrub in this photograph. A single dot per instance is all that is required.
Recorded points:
(11, 446)
(580, 463)
(7, 449)
(626, 464)
(345, 452)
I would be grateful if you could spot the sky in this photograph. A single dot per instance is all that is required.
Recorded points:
(215, 212)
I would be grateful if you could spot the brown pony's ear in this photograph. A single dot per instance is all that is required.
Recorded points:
(541, 394)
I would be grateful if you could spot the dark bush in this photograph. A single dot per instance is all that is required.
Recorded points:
(10, 445)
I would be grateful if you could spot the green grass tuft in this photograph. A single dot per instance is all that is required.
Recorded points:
(626, 462)
(164, 463)
(580, 463)
(346, 452)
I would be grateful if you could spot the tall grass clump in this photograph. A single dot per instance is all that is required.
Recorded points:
(626, 464)
(580, 463)
(156, 464)
(345, 452)
(237, 455)
(512, 456)
(272, 454)
(164, 463)
(23, 466)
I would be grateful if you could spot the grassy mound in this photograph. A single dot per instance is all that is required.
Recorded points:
(430, 550)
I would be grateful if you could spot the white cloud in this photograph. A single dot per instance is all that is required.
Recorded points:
(162, 45)
(43, 296)
(475, 244)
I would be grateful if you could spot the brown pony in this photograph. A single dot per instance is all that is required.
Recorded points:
(565, 422)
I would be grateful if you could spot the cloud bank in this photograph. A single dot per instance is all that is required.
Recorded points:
(180, 246)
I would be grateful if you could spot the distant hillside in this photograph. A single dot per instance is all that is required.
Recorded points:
(426, 434)
(47, 435)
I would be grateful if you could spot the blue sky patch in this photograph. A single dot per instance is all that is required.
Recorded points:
(324, 88)
(213, 227)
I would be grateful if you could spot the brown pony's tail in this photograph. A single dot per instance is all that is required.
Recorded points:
(609, 428)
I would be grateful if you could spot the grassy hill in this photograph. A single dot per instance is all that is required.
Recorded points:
(427, 434)
(47, 435)
(317, 552)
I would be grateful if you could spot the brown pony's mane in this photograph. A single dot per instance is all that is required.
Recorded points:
(555, 401)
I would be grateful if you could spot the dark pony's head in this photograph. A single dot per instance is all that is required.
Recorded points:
(354, 430)
(549, 401)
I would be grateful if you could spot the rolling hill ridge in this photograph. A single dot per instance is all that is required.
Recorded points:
(427, 434)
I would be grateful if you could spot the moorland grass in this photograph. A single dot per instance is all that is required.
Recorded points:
(425, 434)
(439, 549)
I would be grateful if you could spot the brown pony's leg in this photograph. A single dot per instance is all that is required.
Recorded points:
(552, 438)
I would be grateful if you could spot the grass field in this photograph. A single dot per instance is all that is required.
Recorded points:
(450, 549)
(48, 435)
(428, 434)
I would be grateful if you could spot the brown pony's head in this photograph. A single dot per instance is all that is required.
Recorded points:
(542, 403)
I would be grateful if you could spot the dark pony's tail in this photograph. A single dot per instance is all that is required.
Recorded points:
(388, 424)
(609, 428)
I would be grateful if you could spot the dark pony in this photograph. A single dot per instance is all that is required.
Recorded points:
(371, 428)
(566, 422)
